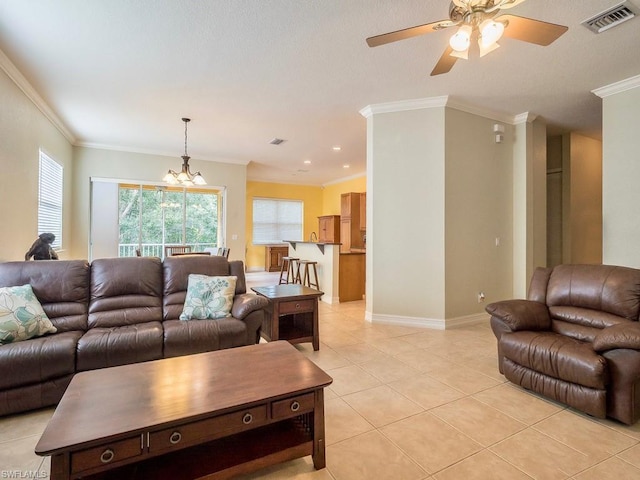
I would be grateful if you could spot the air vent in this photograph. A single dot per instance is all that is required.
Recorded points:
(276, 141)
(612, 17)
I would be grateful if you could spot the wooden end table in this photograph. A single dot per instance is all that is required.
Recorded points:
(205, 416)
(292, 313)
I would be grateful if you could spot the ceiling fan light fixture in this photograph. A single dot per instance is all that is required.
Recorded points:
(463, 54)
(490, 32)
(461, 40)
(487, 49)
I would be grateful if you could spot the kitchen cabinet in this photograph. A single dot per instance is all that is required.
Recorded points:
(273, 257)
(329, 229)
(350, 234)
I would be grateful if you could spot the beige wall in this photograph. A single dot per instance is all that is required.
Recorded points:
(554, 200)
(529, 190)
(620, 178)
(94, 162)
(23, 131)
(478, 210)
(406, 216)
(582, 199)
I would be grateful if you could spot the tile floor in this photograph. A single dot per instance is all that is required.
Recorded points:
(415, 404)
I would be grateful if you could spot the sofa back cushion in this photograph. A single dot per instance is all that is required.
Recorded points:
(61, 286)
(605, 288)
(176, 272)
(125, 291)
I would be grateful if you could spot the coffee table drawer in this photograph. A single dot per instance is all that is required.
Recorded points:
(106, 454)
(292, 406)
(192, 433)
(296, 306)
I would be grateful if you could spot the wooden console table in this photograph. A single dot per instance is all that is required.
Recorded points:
(292, 313)
(205, 416)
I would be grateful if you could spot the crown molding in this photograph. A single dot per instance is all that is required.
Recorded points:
(23, 84)
(144, 151)
(618, 87)
(345, 179)
(444, 101)
(404, 105)
(526, 117)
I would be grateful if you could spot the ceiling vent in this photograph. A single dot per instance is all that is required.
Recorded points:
(276, 141)
(612, 17)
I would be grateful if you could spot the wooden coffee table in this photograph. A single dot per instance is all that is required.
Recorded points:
(292, 313)
(204, 416)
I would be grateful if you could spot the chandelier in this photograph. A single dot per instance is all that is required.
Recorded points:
(185, 177)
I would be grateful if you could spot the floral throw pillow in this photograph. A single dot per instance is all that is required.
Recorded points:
(21, 315)
(208, 297)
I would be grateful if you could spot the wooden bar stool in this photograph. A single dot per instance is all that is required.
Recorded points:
(306, 274)
(291, 270)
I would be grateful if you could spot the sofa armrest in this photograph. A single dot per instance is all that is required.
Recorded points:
(245, 303)
(626, 335)
(521, 314)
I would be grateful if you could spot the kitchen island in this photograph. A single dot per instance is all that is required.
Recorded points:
(328, 257)
(341, 275)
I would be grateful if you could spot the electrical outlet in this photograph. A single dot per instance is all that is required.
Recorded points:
(480, 297)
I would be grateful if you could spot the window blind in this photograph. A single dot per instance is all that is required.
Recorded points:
(50, 192)
(275, 220)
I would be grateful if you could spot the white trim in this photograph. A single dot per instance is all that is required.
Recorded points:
(526, 117)
(445, 101)
(146, 151)
(618, 87)
(482, 112)
(330, 300)
(404, 105)
(23, 84)
(431, 323)
(345, 179)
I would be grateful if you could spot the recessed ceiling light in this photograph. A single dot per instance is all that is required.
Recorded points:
(346, 165)
(277, 141)
(337, 148)
(307, 162)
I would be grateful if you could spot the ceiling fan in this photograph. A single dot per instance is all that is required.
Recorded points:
(478, 19)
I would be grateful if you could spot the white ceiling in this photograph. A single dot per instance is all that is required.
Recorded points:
(121, 73)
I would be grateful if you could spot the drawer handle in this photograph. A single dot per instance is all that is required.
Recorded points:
(297, 305)
(295, 406)
(247, 419)
(107, 456)
(175, 438)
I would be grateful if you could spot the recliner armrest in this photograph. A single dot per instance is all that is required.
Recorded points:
(245, 303)
(521, 314)
(626, 335)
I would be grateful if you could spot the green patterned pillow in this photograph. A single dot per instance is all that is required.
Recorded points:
(21, 315)
(208, 297)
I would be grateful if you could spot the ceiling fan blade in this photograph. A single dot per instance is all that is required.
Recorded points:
(445, 63)
(530, 30)
(408, 33)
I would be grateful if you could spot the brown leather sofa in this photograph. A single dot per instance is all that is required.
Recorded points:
(113, 312)
(576, 339)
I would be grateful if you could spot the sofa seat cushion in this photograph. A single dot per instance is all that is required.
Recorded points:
(185, 338)
(38, 359)
(556, 356)
(109, 347)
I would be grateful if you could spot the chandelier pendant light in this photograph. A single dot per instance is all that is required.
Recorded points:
(185, 177)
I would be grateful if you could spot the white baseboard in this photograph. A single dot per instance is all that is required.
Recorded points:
(421, 322)
(330, 300)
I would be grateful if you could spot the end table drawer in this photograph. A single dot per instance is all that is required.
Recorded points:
(292, 406)
(189, 434)
(296, 306)
(106, 454)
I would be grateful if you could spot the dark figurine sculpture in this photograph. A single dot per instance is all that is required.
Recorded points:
(41, 248)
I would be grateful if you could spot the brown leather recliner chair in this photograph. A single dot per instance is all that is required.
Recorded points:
(576, 339)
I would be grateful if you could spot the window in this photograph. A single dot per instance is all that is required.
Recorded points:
(275, 220)
(50, 198)
(151, 217)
